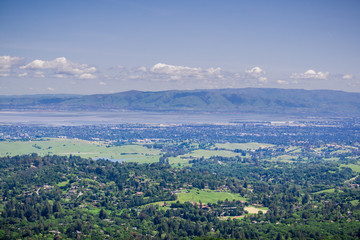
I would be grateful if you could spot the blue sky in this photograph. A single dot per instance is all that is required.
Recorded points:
(109, 46)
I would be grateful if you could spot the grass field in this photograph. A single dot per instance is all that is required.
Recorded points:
(184, 159)
(284, 158)
(62, 184)
(354, 167)
(331, 190)
(97, 149)
(207, 196)
(331, 159)
(293, 149)
(174, 161)
(86, 149)
(255, 210)
(211, 153)
(243, 146)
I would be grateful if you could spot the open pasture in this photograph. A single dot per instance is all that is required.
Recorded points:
(354, 167)
(86, 149)
(242, 146)
(207, 196)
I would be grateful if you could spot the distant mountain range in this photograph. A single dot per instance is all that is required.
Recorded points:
(244, 100)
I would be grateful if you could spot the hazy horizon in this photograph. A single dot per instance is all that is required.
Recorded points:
(166, 90)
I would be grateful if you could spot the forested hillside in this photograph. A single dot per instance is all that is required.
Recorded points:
(246, 100)
(57, 197)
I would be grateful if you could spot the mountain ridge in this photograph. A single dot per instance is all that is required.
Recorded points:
(239, 100)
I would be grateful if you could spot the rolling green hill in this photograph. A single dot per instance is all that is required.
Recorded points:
(245, 100)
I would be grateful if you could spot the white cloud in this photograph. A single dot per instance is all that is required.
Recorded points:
(23, 74)
(102, 83)
(310, 74)
(214, 70)
(36, 64)
(87, 76)
(7, 63)
(50, 89)
(257, 73)
(39, 74)
(282, 82)
(262, 79)
(135, 77)
(142, 69)
(347, 76)
(60, 75)
(163, 68)
(61, 66)
(166, 72)
(175, 77)
(185, 77)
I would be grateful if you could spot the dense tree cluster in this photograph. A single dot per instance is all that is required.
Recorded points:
(71, 197)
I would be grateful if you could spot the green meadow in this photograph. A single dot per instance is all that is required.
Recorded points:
(204, 196)
(284, 158)
(243, 146)
(86, 149)
(331, 190)
(354, 167)
(97, 149)
(207, 196)
(211, 153)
